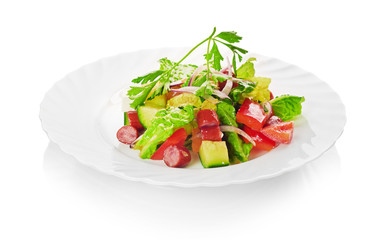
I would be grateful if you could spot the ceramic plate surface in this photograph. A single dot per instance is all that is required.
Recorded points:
(82, 113)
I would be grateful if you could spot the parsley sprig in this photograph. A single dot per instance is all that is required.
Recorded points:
(158, 82)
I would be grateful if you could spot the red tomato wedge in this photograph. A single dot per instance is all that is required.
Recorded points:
(211, 133)
(133, 120)
(252, 115)
(177, 138)
(207, 118)
(271, 95)
(261, 141)
(196, 140)
(280, 132)
(273, 120)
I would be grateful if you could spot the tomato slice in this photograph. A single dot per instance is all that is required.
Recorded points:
(280, 132)
(196, 140)
(273, 120)
(133, 120)
(271, 95)
(177, 138)
(211, 133)
(261, 141)
(252, 115)
(207, 118)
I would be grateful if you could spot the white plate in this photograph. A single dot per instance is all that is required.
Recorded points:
(81, 113)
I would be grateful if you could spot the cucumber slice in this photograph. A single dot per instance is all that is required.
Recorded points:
(213, 154)
(146, 114)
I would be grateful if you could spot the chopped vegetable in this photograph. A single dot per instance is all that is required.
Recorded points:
(261, 141)
(177, 138)
(252, 115)
(238, 150)
(132, 119)
(162, 127)
(184, 99)
(287, 107)
(196, 140)
(212, 133)
(281, 132)
(147, 113)
(207, 118)
(213, 154)
(158, 101)
(247, 70)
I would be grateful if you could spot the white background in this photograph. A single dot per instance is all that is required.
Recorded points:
(46, 194)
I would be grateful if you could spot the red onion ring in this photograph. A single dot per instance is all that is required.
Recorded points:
(195, 73)
(228, 87)
(267, 106)
(227, 128)
(178, 83)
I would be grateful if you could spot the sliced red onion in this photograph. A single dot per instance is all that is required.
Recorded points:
(237, 79)
(135, 141)
(267, 106)
(228, 87)
(195, 73)
(186, 89)
(229, 67)
(226, 128)
(177, 83)
(220, 94)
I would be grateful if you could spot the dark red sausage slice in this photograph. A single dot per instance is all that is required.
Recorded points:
(127, 134)
(176, 156)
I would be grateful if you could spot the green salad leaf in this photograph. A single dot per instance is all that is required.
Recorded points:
(159, 81)
(243, 87)
(162, 127)
(230, 37)
(214, 56)
(287, 107)
(238, 150)
(148, 77)
(247, 71)
(260, 92)
(177, 71)
(139, 94)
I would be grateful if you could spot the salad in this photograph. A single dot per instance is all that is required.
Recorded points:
(221, 114)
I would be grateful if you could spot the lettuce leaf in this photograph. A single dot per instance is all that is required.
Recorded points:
(260, 92)
(238, 150)
(179, 72)
(162, 127)
(242, 89)
(247, 70)
(287, 107)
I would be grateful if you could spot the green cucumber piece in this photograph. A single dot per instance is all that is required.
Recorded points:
(146, 113)
(213, 154)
